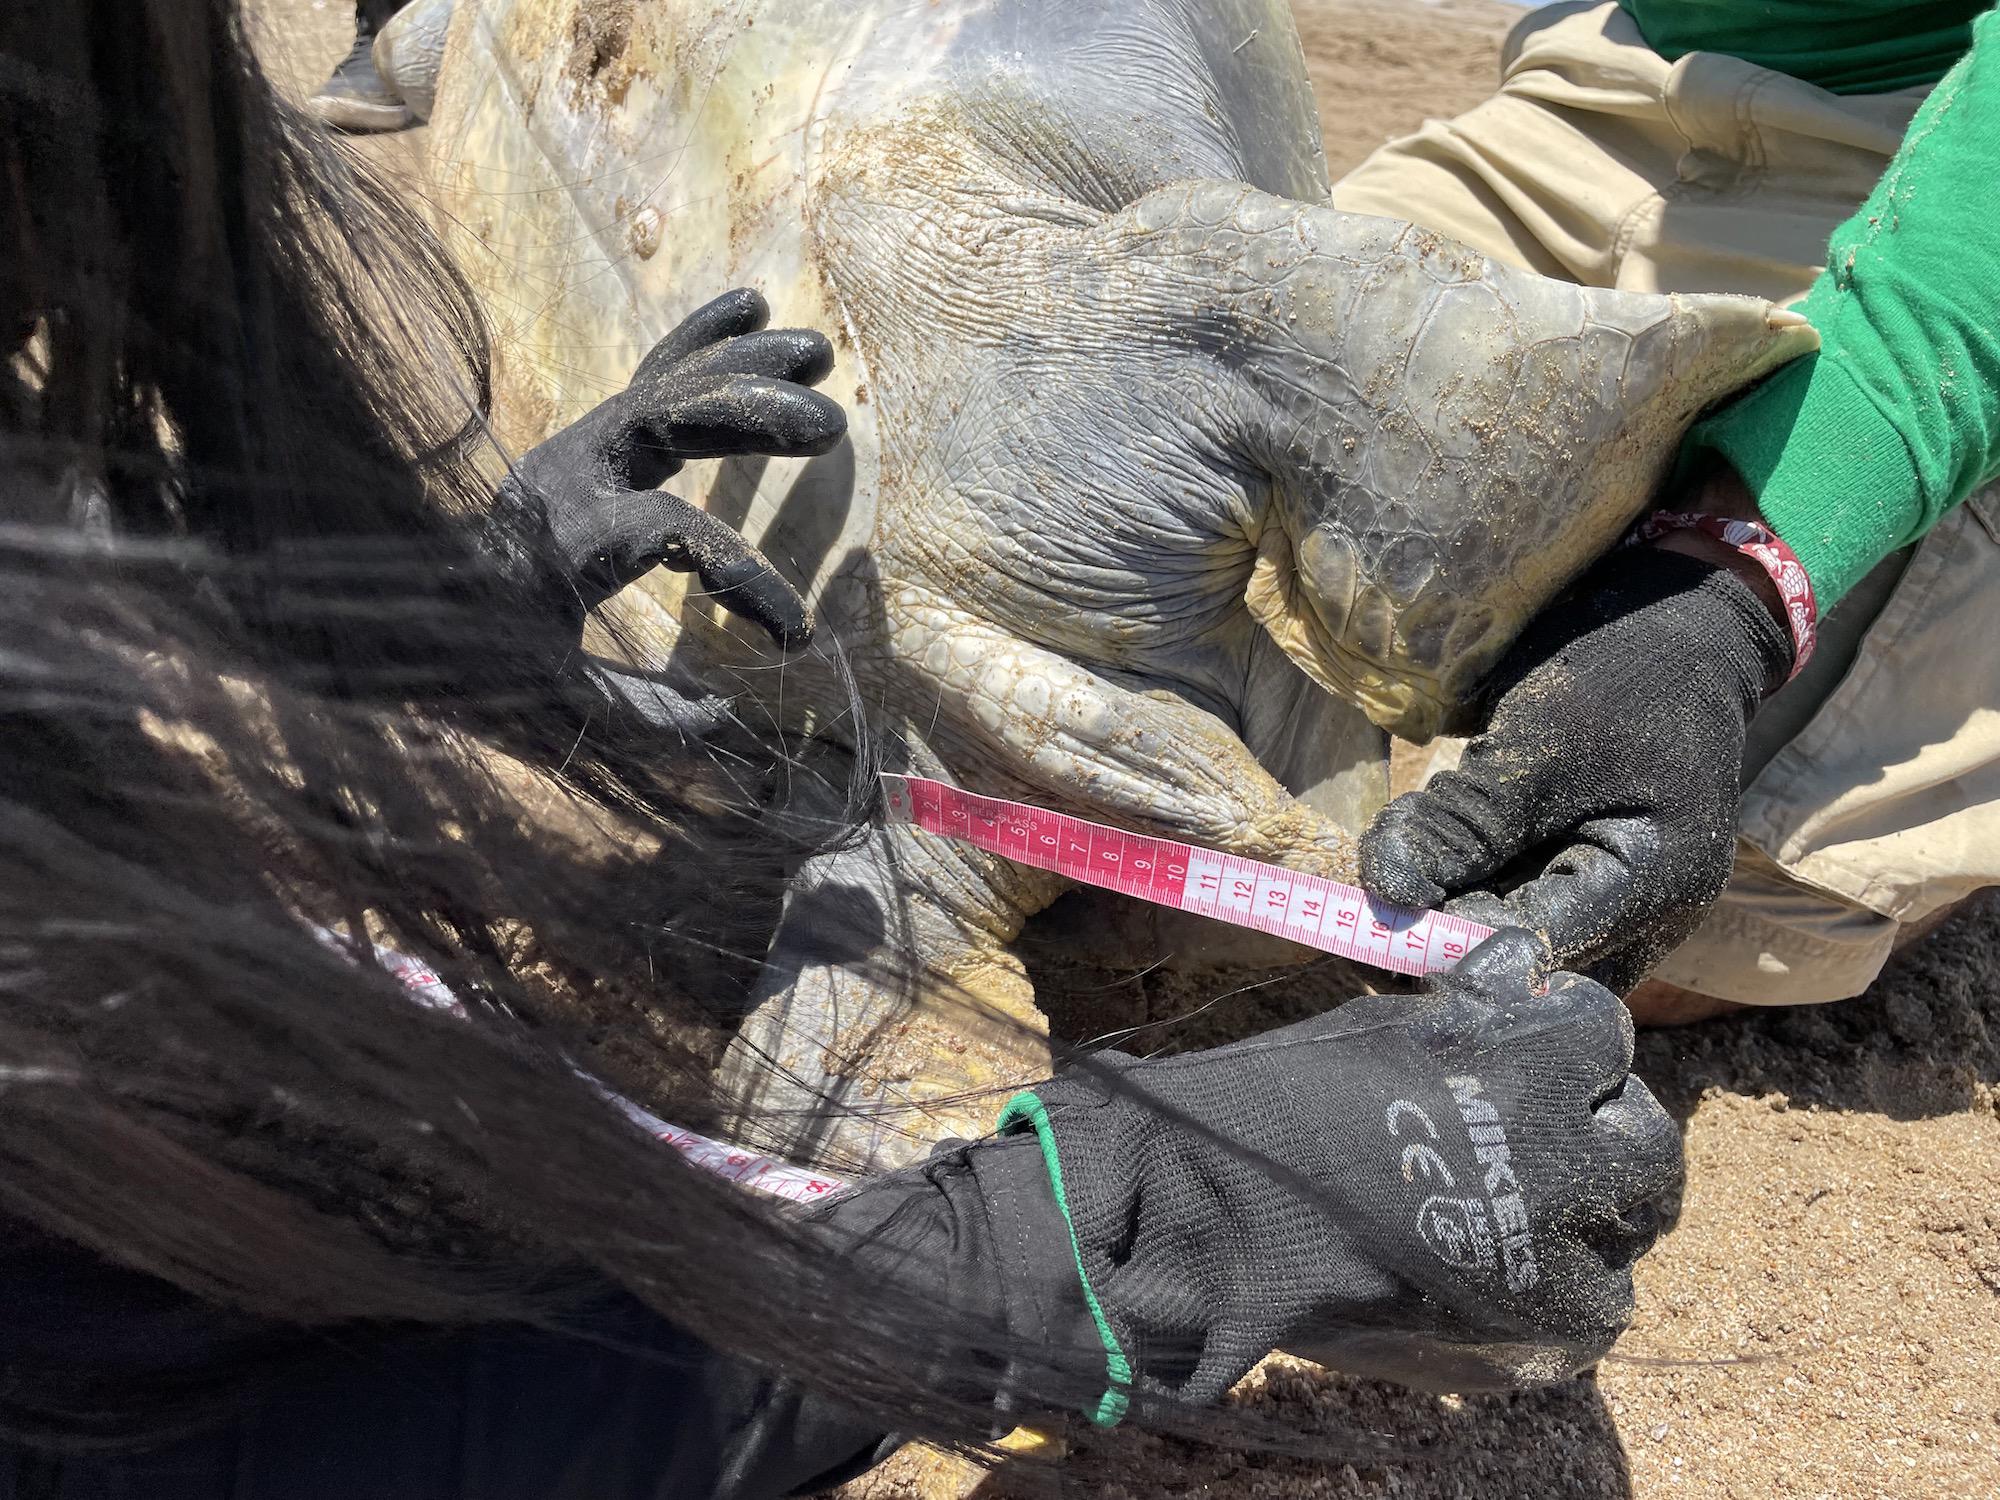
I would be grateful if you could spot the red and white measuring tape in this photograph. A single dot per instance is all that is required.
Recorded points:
(766, 1174)
(1308, 909)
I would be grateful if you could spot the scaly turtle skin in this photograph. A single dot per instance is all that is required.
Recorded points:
(1164, 480)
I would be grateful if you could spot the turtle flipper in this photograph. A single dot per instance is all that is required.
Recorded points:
(1447, 440)
(891, 1014)
(1148, 761)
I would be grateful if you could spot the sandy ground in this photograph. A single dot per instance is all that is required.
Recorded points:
(1822, 1323)
(1381, 67)
(299, 41)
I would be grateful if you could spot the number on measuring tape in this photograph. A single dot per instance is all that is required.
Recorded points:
(1325, 914)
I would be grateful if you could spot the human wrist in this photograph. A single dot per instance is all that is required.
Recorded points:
(1721, 555)
(1831, 473)
(1718, 490)
(967, 1250)
(1764, 648)
(1768, 579)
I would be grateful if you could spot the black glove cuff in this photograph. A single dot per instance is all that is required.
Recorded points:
(1766, 638)
(1700, 610)
(516, 534)
(1048, 1302)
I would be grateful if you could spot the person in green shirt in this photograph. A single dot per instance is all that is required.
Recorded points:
(1845, 47)
(1795, 714)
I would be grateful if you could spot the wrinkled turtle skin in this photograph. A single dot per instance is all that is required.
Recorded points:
(1168, 490)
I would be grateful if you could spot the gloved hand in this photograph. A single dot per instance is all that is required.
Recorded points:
(715, 385)
(1611, 762)
(1448, 1191)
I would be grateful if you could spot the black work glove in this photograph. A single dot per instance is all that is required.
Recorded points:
(1609, 770)
(1447, 1190)
(584, 502)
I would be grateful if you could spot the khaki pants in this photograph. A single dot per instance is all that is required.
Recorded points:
(1873, 796)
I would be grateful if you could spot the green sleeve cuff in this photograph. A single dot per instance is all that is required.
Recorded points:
(1025, 1110)
(1832, 475)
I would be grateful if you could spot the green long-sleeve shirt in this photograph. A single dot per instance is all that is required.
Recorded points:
(1859, 449)
(1844, 46)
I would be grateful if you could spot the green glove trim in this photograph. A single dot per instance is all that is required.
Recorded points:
(1025, 1109)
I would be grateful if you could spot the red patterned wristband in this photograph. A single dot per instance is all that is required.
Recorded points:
(1762, 546)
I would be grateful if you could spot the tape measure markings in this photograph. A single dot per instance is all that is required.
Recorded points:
(1308, 909)
(781, 1179)
(766, 1174)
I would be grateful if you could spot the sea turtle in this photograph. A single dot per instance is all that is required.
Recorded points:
(1168, 490)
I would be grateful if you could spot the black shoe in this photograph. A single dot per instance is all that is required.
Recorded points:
(356, 98)
(409, 53)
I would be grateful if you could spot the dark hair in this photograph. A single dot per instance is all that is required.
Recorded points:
(253, 677)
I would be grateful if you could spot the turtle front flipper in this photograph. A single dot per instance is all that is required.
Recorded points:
(1447, 441)
(891, 1014)
(1145, 760)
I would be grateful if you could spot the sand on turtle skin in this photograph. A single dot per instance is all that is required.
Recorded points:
(1833, 1287)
